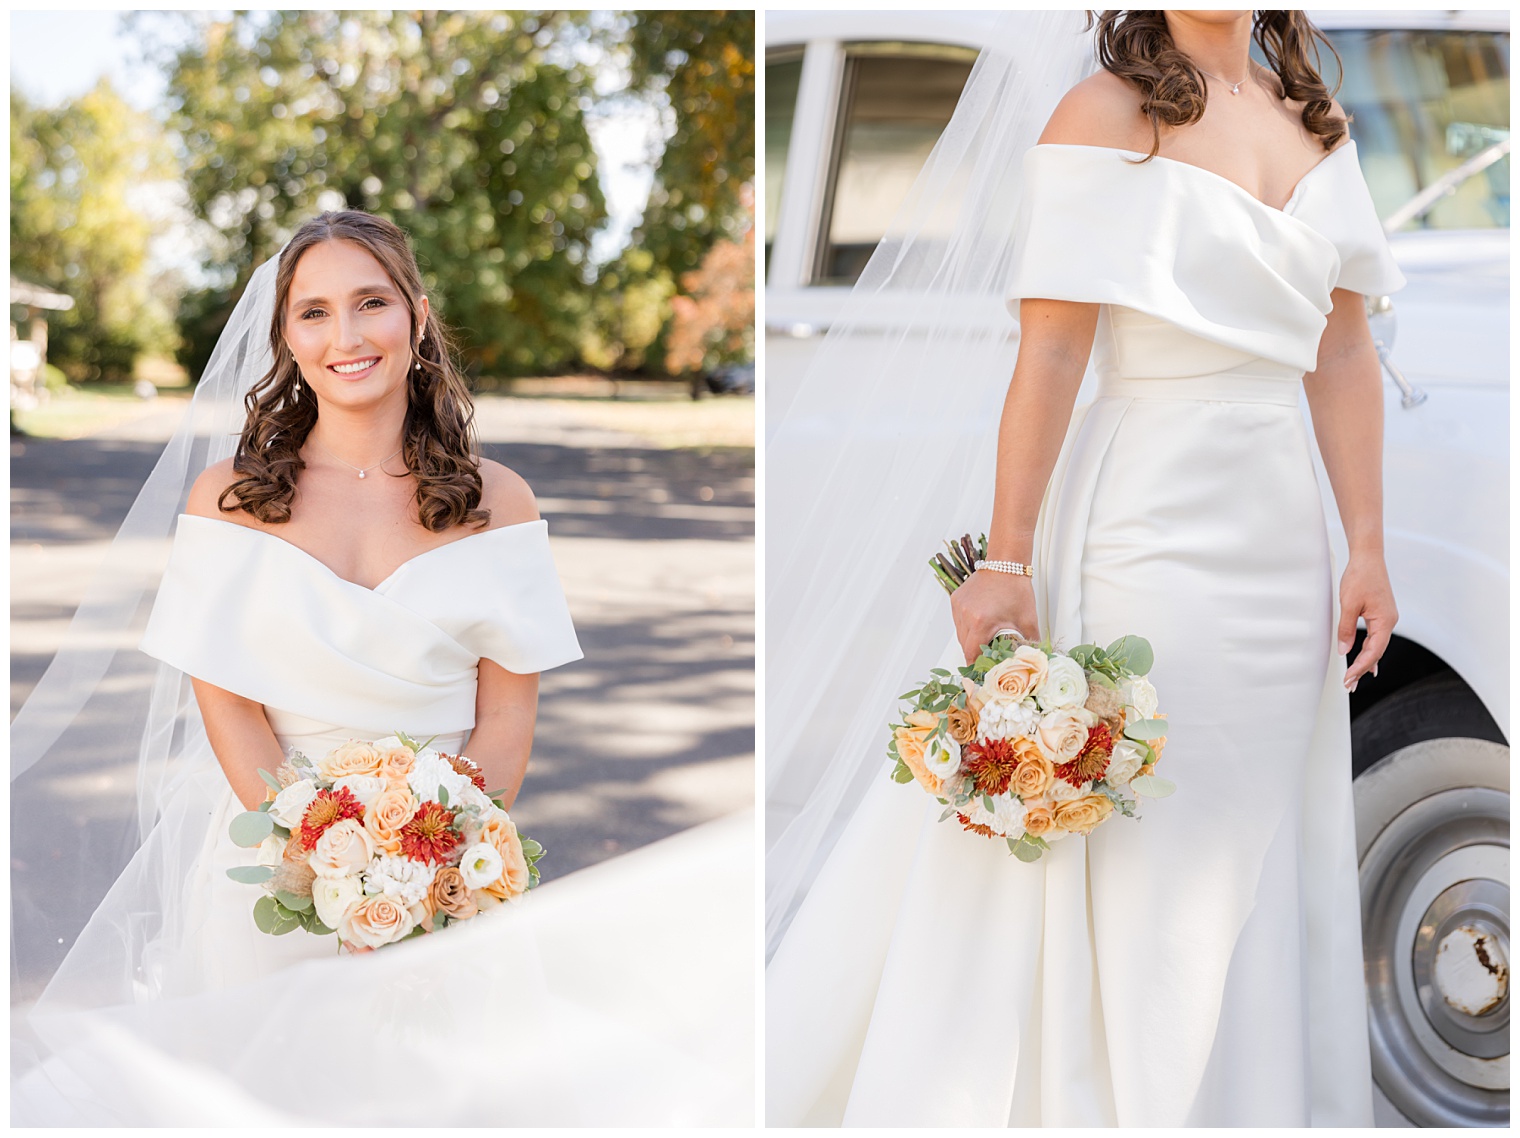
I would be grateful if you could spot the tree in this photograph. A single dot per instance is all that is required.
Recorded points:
(714, 319)
(465, 128)
(703, 62)
(78, 175)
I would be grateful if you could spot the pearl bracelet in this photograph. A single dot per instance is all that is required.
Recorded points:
(1017, 568)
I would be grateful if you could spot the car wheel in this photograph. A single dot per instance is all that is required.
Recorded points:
(1432, 822)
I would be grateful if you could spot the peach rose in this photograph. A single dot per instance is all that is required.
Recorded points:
(396, 763)
(450, 895)
(1032, 777)
(376, 921)
(384, 818)
(1038, 820)
(343, 849)
(1083, 815)
(1062, 734)
(963, 724)
(350, 758)
(1011, 680)
(911, 739)
(500, 831)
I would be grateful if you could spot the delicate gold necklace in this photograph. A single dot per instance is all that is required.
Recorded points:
(351, 466)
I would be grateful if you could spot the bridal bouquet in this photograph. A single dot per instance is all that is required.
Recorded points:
(379, 842)
(1030, 744)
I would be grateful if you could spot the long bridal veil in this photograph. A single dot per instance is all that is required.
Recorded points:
(887, 449)
(104, 719)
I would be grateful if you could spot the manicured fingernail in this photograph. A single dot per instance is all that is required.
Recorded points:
(1354, 682)
(1374, 669)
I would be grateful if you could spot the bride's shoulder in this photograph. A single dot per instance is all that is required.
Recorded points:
(506, 494)
(206, 495)
(1101, 110)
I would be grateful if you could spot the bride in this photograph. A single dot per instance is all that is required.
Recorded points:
(352, 571)
(1199, 225)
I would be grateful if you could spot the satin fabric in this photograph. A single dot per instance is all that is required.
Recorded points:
(1199, 966)
(617, 995)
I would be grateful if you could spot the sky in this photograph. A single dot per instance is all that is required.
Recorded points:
(60, 55)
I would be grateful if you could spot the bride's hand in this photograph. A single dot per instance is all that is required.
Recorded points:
(1365, 593)
(990, 601)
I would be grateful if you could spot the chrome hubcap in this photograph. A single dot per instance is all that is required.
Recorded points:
(1434, 838)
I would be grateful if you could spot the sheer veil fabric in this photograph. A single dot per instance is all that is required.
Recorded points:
(885, 451)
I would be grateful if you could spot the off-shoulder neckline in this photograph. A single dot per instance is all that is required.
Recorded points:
(1286, 210)
(315, 560)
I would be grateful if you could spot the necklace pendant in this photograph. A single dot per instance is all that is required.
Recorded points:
(361, 474)
(1235, 90)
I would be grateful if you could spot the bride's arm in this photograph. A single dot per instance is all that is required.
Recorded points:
(237, 727)
(1345, 393)
(1055, 340)
(506, 703)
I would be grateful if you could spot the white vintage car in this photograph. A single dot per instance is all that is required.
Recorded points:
(854, 102)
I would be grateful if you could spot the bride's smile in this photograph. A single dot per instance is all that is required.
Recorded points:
(349, 329)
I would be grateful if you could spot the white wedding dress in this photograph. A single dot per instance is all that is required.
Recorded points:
(1200, 966)
(620, 994)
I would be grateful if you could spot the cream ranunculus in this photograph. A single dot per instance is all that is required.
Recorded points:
(942, 757)
(351, 758)
(1125, 763)
(1011, 680)
(289, 806)
(1062, 734)
(1065, 685)
(271, 851)
(376, 921)
(365, 787)
(480, 865)
(334, 896)
(343, 849)
(1141, 696)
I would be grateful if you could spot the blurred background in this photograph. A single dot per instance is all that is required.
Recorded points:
(579, 189)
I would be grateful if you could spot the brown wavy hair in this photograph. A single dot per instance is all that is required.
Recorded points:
(1137, 47)
(438, 436)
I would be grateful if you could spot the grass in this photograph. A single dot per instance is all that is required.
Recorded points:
(88, 408)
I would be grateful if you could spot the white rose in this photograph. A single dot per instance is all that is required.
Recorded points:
(1124, 763)
(942, 757)
(480, 865)
(1065, 684)
(271, 851)
(1140, 695)
(334, 896)
(365, 787)
(344, 848)
(289, 806)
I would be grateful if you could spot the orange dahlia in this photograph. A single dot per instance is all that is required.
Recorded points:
(1092, 761)
(470, 771)
(430, 835)
(327, 808)
(990, 765)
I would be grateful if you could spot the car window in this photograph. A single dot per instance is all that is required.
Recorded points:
(894, 102)
(1422, 103)
(783, 75)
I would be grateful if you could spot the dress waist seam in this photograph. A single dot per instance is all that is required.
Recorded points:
(1223, 388)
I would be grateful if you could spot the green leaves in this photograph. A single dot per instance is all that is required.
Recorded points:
(274, 915)
(443, 795)
(250, 828)
(1027, 848)
(1146, 729)
(292, 901)
(1133, 654)
(1152, 786)
(250, 874)
(270, 781)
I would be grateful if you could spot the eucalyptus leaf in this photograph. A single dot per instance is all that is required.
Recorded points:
(292, 901)
(443, 795)
(1026, 851)
(250, 828)
(988, 804)
(531, 848)
(250, 874)
(1152, 786)
(285, 927)
(1146, 729)
(266, 914)
(440, 919)
(1134, 652)
(270, 781)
